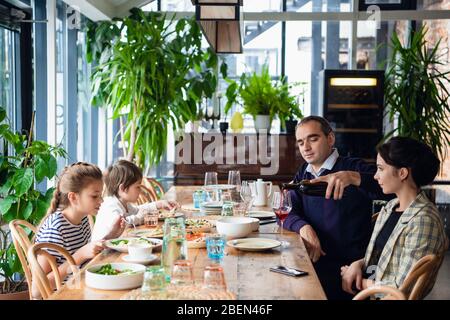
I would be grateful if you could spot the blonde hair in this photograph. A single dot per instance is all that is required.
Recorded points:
(124, 173)
(73, 178)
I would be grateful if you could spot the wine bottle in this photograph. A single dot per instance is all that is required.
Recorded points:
(317, 189)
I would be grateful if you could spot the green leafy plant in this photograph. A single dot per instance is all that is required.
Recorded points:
(416, 92)
(30, 162)
(152, 72)
(260, 95)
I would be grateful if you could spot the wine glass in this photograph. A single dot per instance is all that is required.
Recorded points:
(247, 194)
(211, 179)
(234, 178)
(282, 205)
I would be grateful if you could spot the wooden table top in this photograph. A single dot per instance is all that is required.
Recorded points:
(247, 273)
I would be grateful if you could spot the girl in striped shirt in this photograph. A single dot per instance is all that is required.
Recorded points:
(78, 194)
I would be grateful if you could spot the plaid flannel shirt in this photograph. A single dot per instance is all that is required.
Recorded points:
(419, 232)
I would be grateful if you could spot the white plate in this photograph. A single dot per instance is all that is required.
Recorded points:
(123, 247)
(152, 258)
(261, 214)
(254, 244)
(213, 187)
(212, 205)
(115, 282)
(147, 233)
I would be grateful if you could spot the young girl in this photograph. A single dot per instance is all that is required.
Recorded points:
(78, 194)
(122, 182)
(408, 227)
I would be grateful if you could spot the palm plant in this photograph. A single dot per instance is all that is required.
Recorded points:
(416, 92)
(152, 72)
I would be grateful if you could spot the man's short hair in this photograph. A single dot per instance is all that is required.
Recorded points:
(324, 124)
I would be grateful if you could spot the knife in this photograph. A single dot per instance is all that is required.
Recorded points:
(267, 221)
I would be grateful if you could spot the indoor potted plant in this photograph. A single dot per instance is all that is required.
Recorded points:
(288, 109)
(416, 92)
(153, 73)
(30, 163)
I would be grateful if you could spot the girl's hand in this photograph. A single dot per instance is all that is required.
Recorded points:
(117, 228)
(89, 251)
(169, 205)
(350, 275)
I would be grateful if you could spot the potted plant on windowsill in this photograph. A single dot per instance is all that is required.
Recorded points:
(288, 109)
(30, 163)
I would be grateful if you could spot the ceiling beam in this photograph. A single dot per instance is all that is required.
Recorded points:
(95, 10)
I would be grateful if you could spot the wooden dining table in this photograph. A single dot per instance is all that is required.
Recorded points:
(247, 274)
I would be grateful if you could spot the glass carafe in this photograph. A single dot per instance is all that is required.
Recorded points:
(174, 243)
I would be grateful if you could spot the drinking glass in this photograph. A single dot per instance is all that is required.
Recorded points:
(182, 273)
(214, 278)
(281, 205)
(210, 178)
(154, 280)
(247, 194)
(234, 178)
(151, 219)
(215, 246)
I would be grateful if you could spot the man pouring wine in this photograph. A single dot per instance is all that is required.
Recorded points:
(336, 226)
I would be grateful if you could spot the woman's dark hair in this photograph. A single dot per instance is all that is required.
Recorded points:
(403, 152)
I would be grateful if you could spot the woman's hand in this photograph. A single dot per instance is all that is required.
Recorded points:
(169, 205)
(352, 274)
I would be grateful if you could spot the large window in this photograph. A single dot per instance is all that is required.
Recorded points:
(7, 72)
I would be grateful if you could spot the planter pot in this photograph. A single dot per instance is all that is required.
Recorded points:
(262, 122)
(290, 126)
(21, 295)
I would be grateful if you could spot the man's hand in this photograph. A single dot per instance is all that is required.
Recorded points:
(312, 242)
(338, 181)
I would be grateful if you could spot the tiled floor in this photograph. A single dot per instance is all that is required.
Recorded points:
(441, 290)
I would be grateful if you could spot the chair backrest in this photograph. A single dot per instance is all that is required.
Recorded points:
(390, 293)
(22, 242)
(39, 276)
(147, 194)
(157, 187)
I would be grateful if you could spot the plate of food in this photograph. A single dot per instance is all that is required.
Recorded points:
(147, 232)
(198, 225)
(115, 276)
(163, 214)
(121, 244)
(196, 239)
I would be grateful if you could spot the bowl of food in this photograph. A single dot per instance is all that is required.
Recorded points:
(115, 276)
(235, 227)
(121, 244)
(196, 240)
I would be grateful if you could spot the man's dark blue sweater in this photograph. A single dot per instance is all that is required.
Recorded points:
(343, 226)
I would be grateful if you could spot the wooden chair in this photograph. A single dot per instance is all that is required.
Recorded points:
(22, 242)
(420, 280)
(39, 276)
(146, 195)
(390, 293)
(157, 187)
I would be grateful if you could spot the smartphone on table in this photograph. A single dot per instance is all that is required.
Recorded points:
(289, 271)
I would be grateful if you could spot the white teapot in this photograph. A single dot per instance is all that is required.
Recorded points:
(261, 192)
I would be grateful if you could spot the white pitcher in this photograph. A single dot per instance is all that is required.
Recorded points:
(261, 192)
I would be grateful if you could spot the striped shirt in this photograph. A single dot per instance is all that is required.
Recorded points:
(58, 230)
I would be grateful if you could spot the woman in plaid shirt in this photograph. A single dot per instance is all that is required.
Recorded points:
(408, 227)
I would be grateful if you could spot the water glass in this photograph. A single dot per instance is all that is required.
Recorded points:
(214, 278)
(239, 209)
(215, 246)
(234, 178)
(211, 178)
(182, 273)
(227, 209)
(151, 219)
(154, 280)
